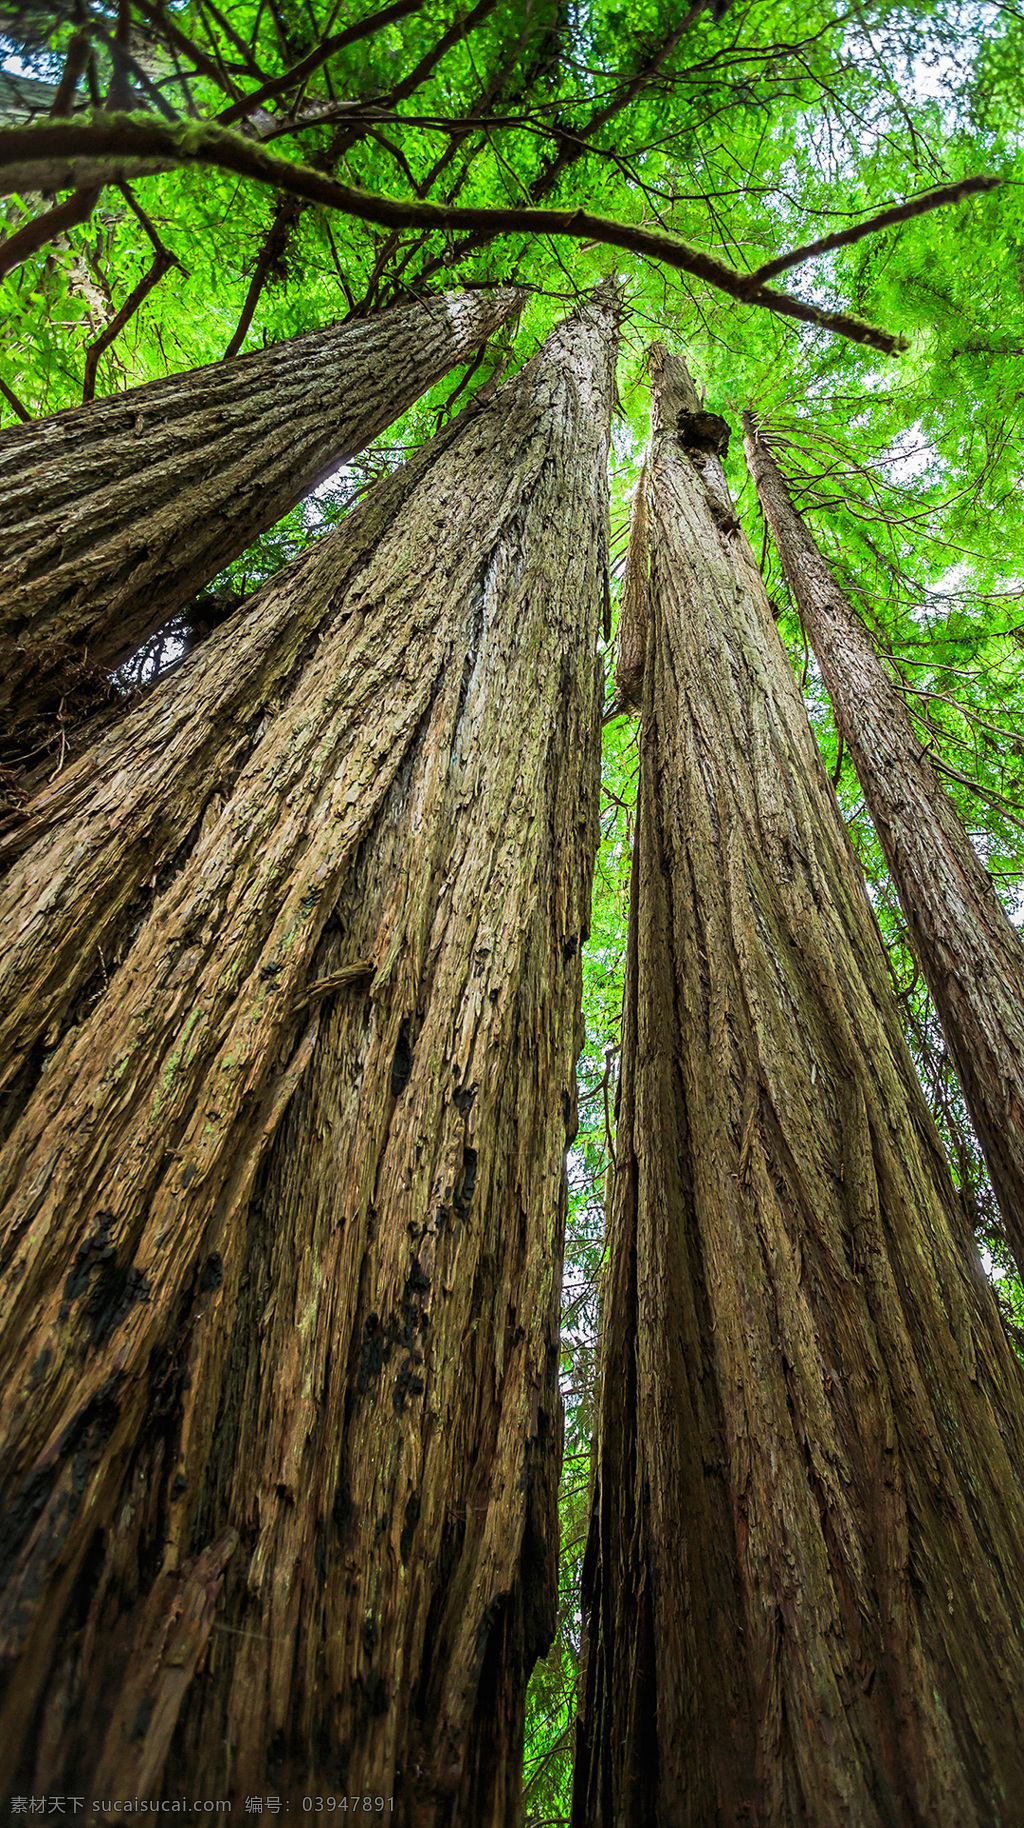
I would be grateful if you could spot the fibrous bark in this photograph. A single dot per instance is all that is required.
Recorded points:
(803, 1580)
(116, 513)
(283, 1222)
(970, 955)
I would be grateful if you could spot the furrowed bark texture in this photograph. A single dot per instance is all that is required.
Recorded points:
(116, 513)
(803, 1581)
(282, 1246)
(96, 849)
(970, 955)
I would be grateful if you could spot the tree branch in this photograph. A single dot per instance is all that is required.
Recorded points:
(35, 234)
(279, 85)
(74, 67)
(287, 212)
(14, 403)
(900, 212)
(274, 245)
(456, 32)
(574, 146)
(52, 155)
(181, 41)
(126, 66)
(161, 261)
(149, 229)
(247, 52)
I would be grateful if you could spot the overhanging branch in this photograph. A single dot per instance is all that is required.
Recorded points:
(109, 148)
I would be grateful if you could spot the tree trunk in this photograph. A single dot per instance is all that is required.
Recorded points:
(803, 1581)
(970, 955)
(116, 513)
(108, 828)
(284, 1213)
(97, 848)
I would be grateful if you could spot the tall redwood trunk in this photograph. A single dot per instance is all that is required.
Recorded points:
(284, 1210)
(113, 822)
(116, 513)
(970, 955)
(804, 1579)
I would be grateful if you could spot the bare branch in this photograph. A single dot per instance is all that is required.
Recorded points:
(35, 234)
(14, 403)
(74, 67)
(900, 212)
(274, 245)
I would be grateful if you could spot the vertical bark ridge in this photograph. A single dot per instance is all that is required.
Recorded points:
(116, 513)
(283, 1238)
(99, 847)
(806, 1558)
(969, 953)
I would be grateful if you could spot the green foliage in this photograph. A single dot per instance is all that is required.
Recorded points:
(710, 144)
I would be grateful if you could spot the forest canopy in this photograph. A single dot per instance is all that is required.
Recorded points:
(822, 211)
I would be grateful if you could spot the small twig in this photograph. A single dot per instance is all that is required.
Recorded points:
(970, 717)
(342, 281)
(445, 409)
(14, 403)
(274, 245)
(141, 217)
(1009, 807)
(161, 261)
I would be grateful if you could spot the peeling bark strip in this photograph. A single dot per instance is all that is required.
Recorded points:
(321, 1112)
(115, 514)
(970, 955)
(802, 1587)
